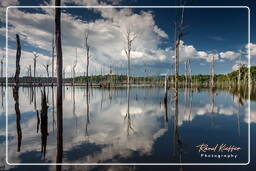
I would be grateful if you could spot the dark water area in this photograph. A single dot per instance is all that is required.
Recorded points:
(121, 126)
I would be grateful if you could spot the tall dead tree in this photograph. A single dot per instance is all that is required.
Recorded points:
(87, 48)
(59, 83)
(16, 92)
(46, 67)
(2, 65)
(188, 72)
(74, 68)
(129, 38)
(53, 47)
(212, 71)
(179, 33)
(35, 60)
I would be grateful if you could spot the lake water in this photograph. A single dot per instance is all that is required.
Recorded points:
(117, 126)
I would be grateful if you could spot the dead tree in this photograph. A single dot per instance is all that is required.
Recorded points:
(53, 47)
(212, 71)
(2, 65)
(188, 72)
(179, 33)
(87, 48)
(74, 68)
(16, 92)
(129, 38)
(34, 59)
(59, 83)
(46, 67)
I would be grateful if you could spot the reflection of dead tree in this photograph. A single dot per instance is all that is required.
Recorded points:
(176, 137)
(38, 122)
(74, 104)
(129, 38)
(128, 116)
(16, 92)
(73, 88)
(87, 114)
(44, 123)
(212, 95)
(179, 33)
(59, 84)
(165, 99)
(53, 107)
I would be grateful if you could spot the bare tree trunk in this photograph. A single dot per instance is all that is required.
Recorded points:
(87, 48)
(212, 71)
(130, 37)
(59, 84)
(16, 92)
(35, 58)
(53, 60)
(2, 63)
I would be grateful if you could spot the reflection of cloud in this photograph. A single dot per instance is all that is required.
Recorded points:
(252, 118)
(107, 127)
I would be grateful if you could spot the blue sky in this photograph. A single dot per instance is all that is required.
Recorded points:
(209, 31)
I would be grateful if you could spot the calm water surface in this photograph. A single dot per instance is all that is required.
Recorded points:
(114, 126)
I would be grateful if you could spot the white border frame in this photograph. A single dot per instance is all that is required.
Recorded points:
(145, 7)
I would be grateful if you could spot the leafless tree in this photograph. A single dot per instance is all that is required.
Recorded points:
(46, 67)
(35, 60)
(179, 33)
(16, 92)
(59, 83)
(212, 71)
(53, 47)
(87, 48)
(188, 72)
(2, 65)
(74, 68)
(129, 38)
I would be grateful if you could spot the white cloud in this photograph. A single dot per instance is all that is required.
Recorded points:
(3, 5)
(252, 49)
(160, 32)
(229, 55)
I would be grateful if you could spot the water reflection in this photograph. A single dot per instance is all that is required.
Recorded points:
(44, 122)
(18, 117)
(126, 124)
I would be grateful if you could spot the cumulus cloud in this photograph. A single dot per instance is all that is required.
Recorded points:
(106, 38)
(3, 5)
(252, 49)
(229, 55)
